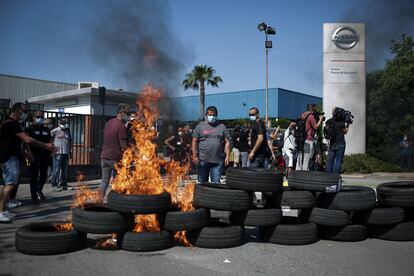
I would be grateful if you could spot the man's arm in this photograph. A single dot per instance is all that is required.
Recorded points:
(258, 143)
(194, 150)
(227, 151)
(33, 142)
(168, 142)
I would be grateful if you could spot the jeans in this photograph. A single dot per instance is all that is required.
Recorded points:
(206, 169)
(38, 174)
(60, 167)
(335, 158)
(10, 170)
(258, 161)
(108, 170)
(304, 157)
(244, 158)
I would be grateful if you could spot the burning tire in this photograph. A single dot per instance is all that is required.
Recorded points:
(258, 180)
(180, 221)
(291, 234)
(219, 235)
(257, 217)
(399, 194)
(146, 241)
(220, 197)
(101, 220)
(354, 232)
(43, 238)
(313, 180)
(139, 204)
(350, 198)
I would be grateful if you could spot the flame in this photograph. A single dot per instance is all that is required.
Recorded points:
(146, 223)
(181, 237)
(107, 243)
(64, 227)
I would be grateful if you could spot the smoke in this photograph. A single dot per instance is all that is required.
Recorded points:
(385, 21)
(132, 42)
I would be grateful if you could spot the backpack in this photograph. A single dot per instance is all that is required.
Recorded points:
(301, 132)
(329, 130)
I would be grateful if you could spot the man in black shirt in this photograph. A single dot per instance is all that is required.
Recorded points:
(258, 152)
(11, 137)
(41, 157)
(244, 145)
(337, 145)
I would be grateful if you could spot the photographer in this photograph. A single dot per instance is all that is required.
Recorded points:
(335, 131)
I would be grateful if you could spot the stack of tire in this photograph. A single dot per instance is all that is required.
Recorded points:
(393, 218)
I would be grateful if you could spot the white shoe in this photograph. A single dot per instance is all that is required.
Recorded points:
(10, 204)
(4, 218)
(18, 202)
(9, 214)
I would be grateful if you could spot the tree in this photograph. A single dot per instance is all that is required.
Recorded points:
(390, 98)
(198, 78)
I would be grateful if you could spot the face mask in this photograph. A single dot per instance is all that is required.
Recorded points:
(252, 118)
(125, 118)
(39, 121)
(23, 117)
(63, 126)
(180, 133)
(211, 119)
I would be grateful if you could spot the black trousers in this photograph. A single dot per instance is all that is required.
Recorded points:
(38, 174)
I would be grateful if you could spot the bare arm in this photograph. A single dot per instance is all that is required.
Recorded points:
(194, 150)
(168, 142)
(275, 132)
(227, 148)
(258, 143)
(33, 142)
(270, 146)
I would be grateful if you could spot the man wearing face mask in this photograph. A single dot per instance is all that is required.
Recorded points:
(63, 143)
(115, 142)
(11, 137)
(208, 152)
(259, 150)
(41, 157)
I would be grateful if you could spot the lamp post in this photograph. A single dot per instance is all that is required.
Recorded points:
(263, 27)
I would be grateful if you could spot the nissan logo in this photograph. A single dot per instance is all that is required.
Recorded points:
(345, 38)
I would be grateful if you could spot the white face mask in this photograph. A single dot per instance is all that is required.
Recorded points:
(252, 118)
(180, 133)
(39, 121)
(23, 117)
(211, 119)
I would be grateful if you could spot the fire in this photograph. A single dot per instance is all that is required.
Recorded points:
(181, 237)
(146, 223)
(64, 227)
(107, 243)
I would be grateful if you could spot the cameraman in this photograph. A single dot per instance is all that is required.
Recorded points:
(337, 142)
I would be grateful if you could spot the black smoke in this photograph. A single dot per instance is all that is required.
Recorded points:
(133, 43)
(386, 20)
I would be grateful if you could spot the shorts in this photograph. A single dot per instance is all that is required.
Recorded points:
(10, 170)
(236, 155)
(288, 157)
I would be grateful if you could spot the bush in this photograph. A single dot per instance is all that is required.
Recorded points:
(362, 163)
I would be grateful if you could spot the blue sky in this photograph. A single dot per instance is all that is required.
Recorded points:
(44, 39)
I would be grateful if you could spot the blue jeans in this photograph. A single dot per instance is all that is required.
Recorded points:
(335, 157)
(206, 169)
(258, 161)
(10, 170)
(60, 168)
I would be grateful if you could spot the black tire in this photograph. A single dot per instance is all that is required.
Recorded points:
(327, 217)
(219, 197)
(101, 220)
(146, 241)
(399, 194)
(254, 179)
(292, 199)
(257, 217)
(180, 221)
(223, 236)
(139, 204)
(399, 232)
(350, 198)
(379, 216)
(349, 233)
(291, 234)
(312, 180)
(42, 238)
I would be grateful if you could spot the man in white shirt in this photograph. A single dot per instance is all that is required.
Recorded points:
(289, 148)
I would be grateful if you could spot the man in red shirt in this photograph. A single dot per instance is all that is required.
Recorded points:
(115, 142)
(311, 126)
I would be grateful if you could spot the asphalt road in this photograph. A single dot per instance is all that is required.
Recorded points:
(369, 257)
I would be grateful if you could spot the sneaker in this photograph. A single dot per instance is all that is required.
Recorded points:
(331, 189)
(19, 203)
(9, 214)
(40, 195)
(56, 189)
(4, 218)
(10, 205)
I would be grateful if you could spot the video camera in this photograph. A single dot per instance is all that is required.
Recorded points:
(317, 115)
(342, 115)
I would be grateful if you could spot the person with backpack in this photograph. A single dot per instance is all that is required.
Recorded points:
(306, 126)
(334, 131)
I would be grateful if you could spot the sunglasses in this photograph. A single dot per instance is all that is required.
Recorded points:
(38, 117)
(252, 114)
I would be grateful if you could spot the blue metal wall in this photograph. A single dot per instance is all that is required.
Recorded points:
(234, 105)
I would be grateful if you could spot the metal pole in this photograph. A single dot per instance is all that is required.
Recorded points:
(267, 83)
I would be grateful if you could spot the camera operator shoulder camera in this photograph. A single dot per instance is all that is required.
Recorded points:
(337, 126)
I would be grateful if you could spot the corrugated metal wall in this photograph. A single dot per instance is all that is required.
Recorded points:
(19, 89)
(293, 104)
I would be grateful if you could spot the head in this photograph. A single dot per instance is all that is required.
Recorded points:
(38, 117)
(180, 131)
(211, 114)
(19, 112)
(253, 114)
(64, 123)
(48, 123)
(186, 128)
(122, 112)
(312, 107)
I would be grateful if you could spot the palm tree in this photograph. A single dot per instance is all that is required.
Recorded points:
(197, 79)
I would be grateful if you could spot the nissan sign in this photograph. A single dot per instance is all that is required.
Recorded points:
(345, 38)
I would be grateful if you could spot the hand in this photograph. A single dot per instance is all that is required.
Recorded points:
(251, 155)
(322, 118)
(273, 157)
(51, 147)
(195, 159)
(226, 161)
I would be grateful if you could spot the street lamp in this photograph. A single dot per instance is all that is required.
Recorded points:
(263, 27)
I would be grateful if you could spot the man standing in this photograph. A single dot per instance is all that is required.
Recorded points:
(337, 144)
(41, 157)
(307, 149)
(259, 149)
(11, 137)
(289, 148)
(115, 142)
(406, 152)
(207, 147)
(63, 143)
